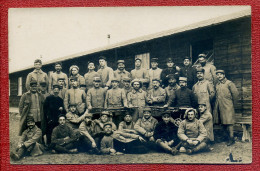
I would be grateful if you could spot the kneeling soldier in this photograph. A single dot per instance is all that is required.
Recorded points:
(192, 133)
(30, 142)
(165, 134)
(73, 119)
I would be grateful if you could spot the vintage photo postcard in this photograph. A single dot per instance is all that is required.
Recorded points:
(125, 85)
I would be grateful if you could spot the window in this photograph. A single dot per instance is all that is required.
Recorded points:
(203, 46)
(145, 60)
(20, 86)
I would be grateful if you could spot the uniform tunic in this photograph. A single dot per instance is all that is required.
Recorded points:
(205, 92)
(226, 96)
(106, 75)
(38, 76)
(74, 120)
(120, 75)
(107, 143)
(170, 93)
(190, 73)
(154, 74)
(185, 97)
(140, 74)
(210, 73)
(96, 97)
(158, 96)
(127, 90)
(60, 132)
(79, 78)
(51, 108)
(123, 125)
(145, 125)
(165, 73)
(206, 119)
(74, 96)
(89, 77)
(115, 98)
(62, 93)
(54, 79)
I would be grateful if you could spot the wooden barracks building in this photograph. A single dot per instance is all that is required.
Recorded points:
(226, 40)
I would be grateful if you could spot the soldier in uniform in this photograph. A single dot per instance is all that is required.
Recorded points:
(75, 96)
(210, 70)
(127, 85)
(38, 75)
(116, 98)
(189, 72)
(74, 75)
(171, 69)
(43, 89)
(63, 90)
(90, 75)
(139, 73)
(121, 73)
(157, 95)
(154, 72)
(106, 73)
(96, 95)
(56, 75)
(171, 89)
(137, 98)
(203, 89)
(192, 133)
(226, 98)
(72, 117)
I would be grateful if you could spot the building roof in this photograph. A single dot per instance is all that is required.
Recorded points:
(205, 23)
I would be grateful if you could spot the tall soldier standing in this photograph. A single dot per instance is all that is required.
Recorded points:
(171, 69)
(106, 73)
(56, 75)
(121, 73)
(139, 73)
(210, 70)
(189, 72)
(154, 72)
(90, 75)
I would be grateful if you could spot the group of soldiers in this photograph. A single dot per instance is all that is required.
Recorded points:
(110, 112)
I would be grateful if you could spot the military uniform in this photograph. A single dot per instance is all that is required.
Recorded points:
(106, 74)
(89, 77)
(75, 96)
(54, 79)
(115, 98)
(185, 97)
(38, 76)
(154, 74)
(140, 74)
(190, 73)
(79, 78)
(170, 93)
(157, 96)
(120, 75)
(96, 97)
(207, 120)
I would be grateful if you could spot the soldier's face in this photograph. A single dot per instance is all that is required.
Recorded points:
(108, 129)
(172, 82)
(166, 118)
(75, 83)
(33, 88)
(147, 114)
(114, 84)
(220, 76)
(186, 62)
(191, 115)
(74, 71)
(61, 83)
(30, 124)
(102, 62)
(200, 75)
(202, 60)
(154, 65)
(170, 64)
(138, 63)
(183, 83)
(126, 83)
(104, 118)
(121, 66)
(58, 67)
(156, 84)
(91, 66)
(37, 65)
(202, 108)
(56, 91)
(62, 120)
(96, 84)
(73, 109)
(136, 85)
(128, 118)
(43, 88)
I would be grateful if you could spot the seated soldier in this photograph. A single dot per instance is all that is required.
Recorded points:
(63, 138)
(87, 142)
(206, 119)
(192, 133)
(72, 118)
(165, 134)
(145, 126)
(30, 142)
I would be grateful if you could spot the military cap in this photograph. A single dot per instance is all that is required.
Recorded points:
(202, 55)
(147, 109)
(188, 110)
(55, 86)
(128, 113)
(105, 113)
(200, 69)
(38, 61)
(114, 79)
(183, 79)
(154, 60)
(138, 59)
(186, 57)
(172, 76)
(74, 66)
(156, 79)
(89, 62)
(220, 71)
(73, 79)
(137, 80)
(202, 103)
(127, 79)
(167, 112)
(120, 61)
(169, 60)
(60, 78)
(97, 79)
(102, 57)
(108, 123)
(43, 83)
(33, 83)
(58, 63)
(61, 115)
(72, 104)
(30, 119)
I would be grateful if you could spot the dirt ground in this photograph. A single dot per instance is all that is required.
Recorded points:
(219, 154)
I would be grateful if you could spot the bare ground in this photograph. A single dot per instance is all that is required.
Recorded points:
(218, 155)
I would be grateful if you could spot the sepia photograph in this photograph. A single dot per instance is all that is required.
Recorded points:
(130, 85)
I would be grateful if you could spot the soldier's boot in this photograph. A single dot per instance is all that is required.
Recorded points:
(18, 155)
(202, 146)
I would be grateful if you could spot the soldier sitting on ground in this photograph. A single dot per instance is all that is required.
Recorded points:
(30, 143)
(192, 133)
(72, 118)
(165, 134)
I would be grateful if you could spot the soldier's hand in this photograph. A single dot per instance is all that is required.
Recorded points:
(20, 145)
(170, 142)
(146, 134)
(112, 150)
(151, 139)
(195, 142)
(190, 142)
(141, 139)
(94, 145)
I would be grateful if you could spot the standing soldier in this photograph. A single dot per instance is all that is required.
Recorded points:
(106, 73)
(210, 70)
(31, 104)
(127, 85)
(74, 75)
(63, 90)
(43, 89)
(171, 89)
(171, 69)
(226, 98)
(96, 95)
(189, 72)
(139, 73)
(121, 73)
(56, 75)
(137, 98)
(154, 72)
(75, 96)
(37, 75)
(157, 95)
(203, 89)
(89, 76)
